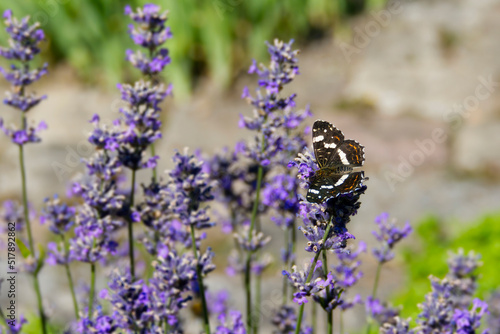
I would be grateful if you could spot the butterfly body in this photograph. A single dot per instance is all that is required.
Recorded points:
(336, 160)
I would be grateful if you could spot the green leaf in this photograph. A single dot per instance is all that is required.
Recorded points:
(25, 252)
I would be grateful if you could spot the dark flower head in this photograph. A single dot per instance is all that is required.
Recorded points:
(336, 211)
(285, 321)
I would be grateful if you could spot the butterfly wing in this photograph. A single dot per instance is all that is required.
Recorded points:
(324, 187)
(326, 139)
(349, 153)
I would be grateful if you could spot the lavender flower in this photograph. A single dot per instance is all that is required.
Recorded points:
(131, 301)
(23, 47)
(468, 321)
(231, 322)
(445, 309)
(24, 44)
(59, 215)
(98, 323)
(380, 311)
(150, 33)
(12, 211)
(346, 273)
(190, 187)
(93, 240)
(388, 235)
(298, 278)
(400, 326)
(171, 283)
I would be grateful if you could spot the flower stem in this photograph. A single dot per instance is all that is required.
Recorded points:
(248, 287)
(377, 276)
(92, 289)
(374, 292)
(314, 317)
(130, 229)
(330, 322)
(153, 154)
(257, 304)
(309, 276)
(285, 279)
(28, 228)
(206, 321)
(329, 314)
(248, 290)
(70, 279)
(40, 306)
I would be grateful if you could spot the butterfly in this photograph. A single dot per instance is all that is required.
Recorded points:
(336, 159)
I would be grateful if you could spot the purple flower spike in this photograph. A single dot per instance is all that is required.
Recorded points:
(388, 235)
(24, 44)
(149, 32)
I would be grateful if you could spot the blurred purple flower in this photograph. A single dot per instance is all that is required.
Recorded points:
(60, 216)
(388, 235)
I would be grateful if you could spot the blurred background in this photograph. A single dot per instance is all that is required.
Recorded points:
(416, 82)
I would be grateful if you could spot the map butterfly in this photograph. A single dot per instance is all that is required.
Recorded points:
(336, 159)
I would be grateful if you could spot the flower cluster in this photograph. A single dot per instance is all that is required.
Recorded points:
(285, 321)
(24, 45)
(266, 121)
(306, 287)
(448, 307)
(388, 235)
(150, 33)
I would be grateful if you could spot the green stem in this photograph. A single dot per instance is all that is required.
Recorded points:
(153, 154)
(39, 302)
(341, 322)
(377, 276)
(329, 314)
(257, 304)
(70, 279)
(309, 276)
(374, 292)
(314, 317)
(206, 321)
(285, 279)
(28, 228)
(330, 322)
(92, 289)
(248, 291)
(25, 198)
(131, 230)
(248, 287)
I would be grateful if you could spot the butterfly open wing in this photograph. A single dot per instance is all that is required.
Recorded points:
(326, 139)
(324, 187)
(349, 153)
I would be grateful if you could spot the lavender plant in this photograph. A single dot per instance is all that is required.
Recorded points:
(24, 44)
(387, 236)
(325, 229)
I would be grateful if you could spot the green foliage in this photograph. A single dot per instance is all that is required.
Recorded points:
(436, 240)
(214, 37)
